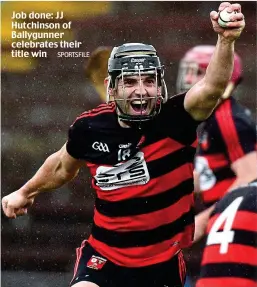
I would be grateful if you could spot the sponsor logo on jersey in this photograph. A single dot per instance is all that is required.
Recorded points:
(96, 262)
(128, 173)
(125, 145)
(100, 146)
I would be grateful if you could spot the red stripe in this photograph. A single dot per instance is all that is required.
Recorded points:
(185, 270)
(218, 191)
(138, 256)
(105, 105)
(182, 269)
(145, 221)
(160, 149)
(98, 108)
(243, 220)
(225, 282)
(104, 110)
(78, 254)
(187, 239)
(195, 143)
(216, 161)
(153, 187)
(228, 131)
(237, 253)
(102, 107)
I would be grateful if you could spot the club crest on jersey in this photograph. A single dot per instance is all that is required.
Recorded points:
(96, 262)
(204, 141)
(100, 146)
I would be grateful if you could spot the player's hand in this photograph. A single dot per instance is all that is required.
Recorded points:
(234, 28)
(16, 204)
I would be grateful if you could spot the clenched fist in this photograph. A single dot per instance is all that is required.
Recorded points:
(234, 28)
(15, 204)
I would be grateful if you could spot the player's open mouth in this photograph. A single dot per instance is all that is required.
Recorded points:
(139, 106)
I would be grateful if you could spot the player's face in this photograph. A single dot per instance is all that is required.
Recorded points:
(191, 73)
(137, 95)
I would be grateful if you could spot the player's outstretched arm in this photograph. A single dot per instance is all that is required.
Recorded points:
(58, 169)
(202, 98)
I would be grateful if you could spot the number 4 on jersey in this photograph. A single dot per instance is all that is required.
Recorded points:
(225, 236)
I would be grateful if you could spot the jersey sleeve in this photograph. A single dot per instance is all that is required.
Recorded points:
(237, 131)
(78, 139)
(177, 122)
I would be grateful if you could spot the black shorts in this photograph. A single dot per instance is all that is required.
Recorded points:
(93, 267)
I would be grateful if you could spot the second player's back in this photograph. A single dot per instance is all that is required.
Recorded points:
(230, 254)
(226, 136)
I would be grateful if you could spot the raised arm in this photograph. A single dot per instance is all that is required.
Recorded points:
(203, 97)
(58, 169)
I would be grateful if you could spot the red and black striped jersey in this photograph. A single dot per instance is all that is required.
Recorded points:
(227, 135)
(230, 254)
(143, 182)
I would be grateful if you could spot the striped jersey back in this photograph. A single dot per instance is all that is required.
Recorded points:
(230, 255)
(226, 136)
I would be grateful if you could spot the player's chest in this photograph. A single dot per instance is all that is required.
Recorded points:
(110, 147)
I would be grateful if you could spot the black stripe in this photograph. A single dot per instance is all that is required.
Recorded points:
(229, 270)
(170, 162)
(244, 237)
(142, 205)
(224, 173)
(210, 203)
(142, 238)
(249, 202)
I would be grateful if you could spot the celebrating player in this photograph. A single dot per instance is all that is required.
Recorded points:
(138, 149)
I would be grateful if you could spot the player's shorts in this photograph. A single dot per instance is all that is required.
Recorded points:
(93, 267)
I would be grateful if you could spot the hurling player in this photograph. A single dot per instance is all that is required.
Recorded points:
(226, 155)
(230, 254)
(138, 149)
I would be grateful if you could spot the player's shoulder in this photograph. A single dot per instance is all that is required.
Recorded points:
(101, 113)
(174, 107)
(247, 194)
(101, 109)
(176, 100)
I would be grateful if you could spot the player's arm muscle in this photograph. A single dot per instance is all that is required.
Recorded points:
(58, 169)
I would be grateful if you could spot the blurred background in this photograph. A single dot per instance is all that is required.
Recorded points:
(42, 97)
